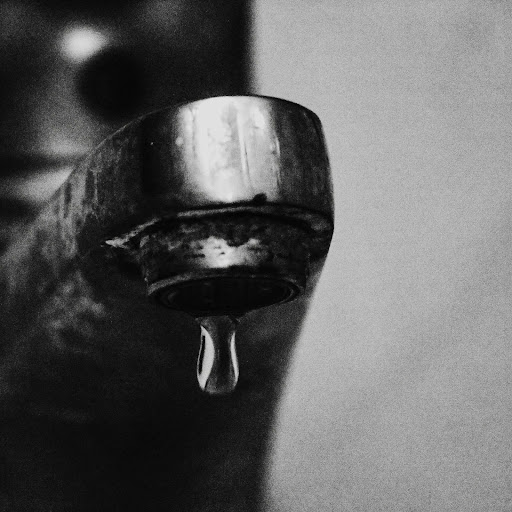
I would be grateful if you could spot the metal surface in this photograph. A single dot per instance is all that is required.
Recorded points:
(238, 150)
(244, 189)
(120, 191)
(225, 263)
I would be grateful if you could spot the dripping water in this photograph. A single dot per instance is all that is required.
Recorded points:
(217, 364)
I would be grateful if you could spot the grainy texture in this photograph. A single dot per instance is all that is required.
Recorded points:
(74, 72)
(401, 395)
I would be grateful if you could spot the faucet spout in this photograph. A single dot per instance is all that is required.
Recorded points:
(223, 205)
(218, 209)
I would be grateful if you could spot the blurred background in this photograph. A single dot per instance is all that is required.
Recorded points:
(72, 74)
(400, 394)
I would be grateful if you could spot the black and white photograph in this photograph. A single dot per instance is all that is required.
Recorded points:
(255, 256)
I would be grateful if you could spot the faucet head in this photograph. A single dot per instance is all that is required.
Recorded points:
(246, 185)
(226, 263)
(225, 204)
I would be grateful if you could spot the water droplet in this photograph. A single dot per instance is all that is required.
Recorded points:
(217, 364)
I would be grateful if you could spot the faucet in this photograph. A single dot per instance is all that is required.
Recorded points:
(216, 212)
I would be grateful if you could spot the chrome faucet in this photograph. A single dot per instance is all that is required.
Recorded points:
(219, 208)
